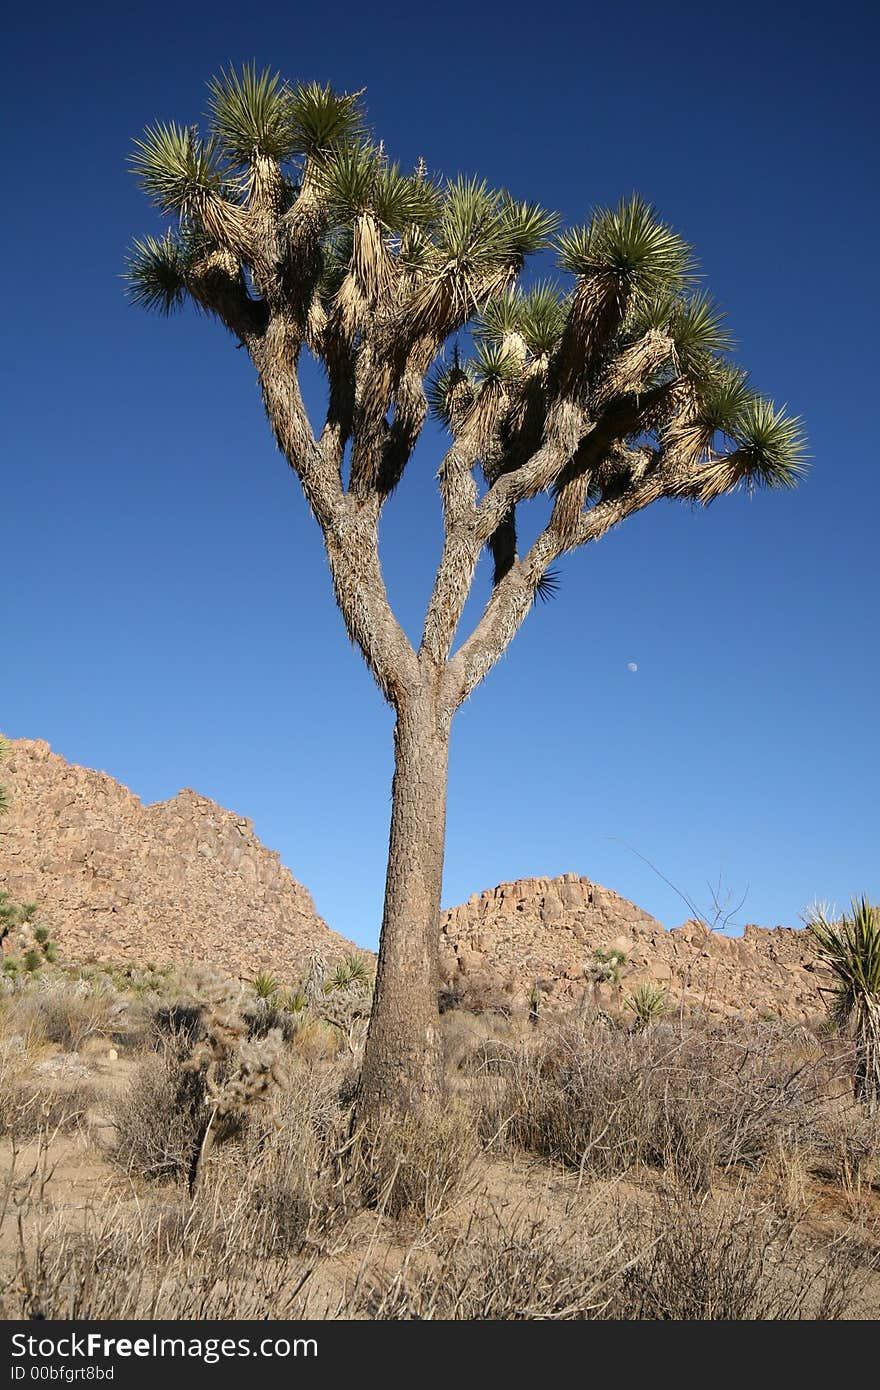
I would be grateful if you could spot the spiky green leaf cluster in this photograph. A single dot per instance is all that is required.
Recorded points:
(694, 323)
(851, 948)
(174, 166)
(648, 1002)
(350, 973)
(251, 114)
(548, 586)
(724, 396)
(538, 316)
(321, 118)
(450, 388)
(337, 250)
(630, 245)
(357, 179)
(478, 225)
(772, 443)
(495, 363)
(155, 272)
(265, 985)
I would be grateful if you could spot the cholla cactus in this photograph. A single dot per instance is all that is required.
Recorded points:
(239, 1072)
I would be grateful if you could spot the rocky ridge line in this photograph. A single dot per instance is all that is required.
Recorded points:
(180, 881)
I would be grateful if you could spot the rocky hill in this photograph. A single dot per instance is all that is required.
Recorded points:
(177, 882)
(544, 932)
(185, 881)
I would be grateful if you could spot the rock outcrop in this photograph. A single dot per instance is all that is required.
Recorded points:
(184, 881)
(177, 882)
(543, 933)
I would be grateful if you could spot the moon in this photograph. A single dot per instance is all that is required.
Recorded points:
(632, 666)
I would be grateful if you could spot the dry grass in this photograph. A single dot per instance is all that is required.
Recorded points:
(172, 1264)
(682, 1259)
(582, 1172)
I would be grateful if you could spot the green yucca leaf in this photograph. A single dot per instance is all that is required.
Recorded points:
(542, 317)
(173, 165)
(295, 1001)
(724, 397)
(251, 114)
(450, 390)
(400, 200)
(495, 363)
(538, 316)
(321, 118)
(697, 329)
(466, 219)
(351, 971)
(417, 251)
(851, 948)
(155, 273)
(347, 178)
(265, 985)
(523, 228)
(500, 315)
(357, 179)
(657, 313)
(648, 1002)
(772, 443)
(631, 244)
(337, 248)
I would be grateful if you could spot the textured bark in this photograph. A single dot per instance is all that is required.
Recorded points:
(402, 1061)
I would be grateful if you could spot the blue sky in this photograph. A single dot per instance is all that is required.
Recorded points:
(166, 610)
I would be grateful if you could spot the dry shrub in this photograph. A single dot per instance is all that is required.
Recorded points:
(26, 1113)
(288, 1163)
(681, 1260)
(732, 1262)
(498, 1270)
(29, 1106)
(415, 1166)
(845, 1150)
(63, 1012)
(160, 1116)
(603, 1100)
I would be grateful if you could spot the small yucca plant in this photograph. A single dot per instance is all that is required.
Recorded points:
(851, 948)
(265, 985)
(294, 1001)
(648, 1002)
(351, 971)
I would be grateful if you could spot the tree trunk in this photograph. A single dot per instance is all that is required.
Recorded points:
(402, 1068)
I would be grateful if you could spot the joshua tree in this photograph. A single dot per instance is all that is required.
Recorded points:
(607, 391)
(851, 948)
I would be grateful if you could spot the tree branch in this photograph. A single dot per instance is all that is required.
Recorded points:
(350, 532)
(512, 599)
